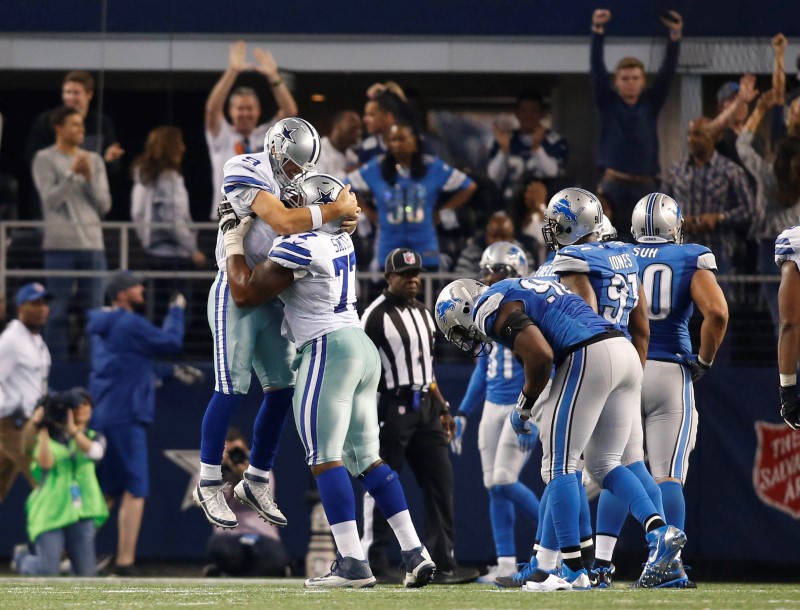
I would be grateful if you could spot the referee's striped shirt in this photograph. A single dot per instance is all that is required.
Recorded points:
(404, 334)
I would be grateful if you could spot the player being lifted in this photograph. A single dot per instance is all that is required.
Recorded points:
(338, 368)
(588, 410)
(787, 257)
(249, 339)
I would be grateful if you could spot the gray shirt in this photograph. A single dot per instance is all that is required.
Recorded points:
(72, 205)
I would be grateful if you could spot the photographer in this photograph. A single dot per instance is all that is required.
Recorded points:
(67, 507)
(254, 548)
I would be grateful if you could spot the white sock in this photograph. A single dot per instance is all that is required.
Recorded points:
(346, 536)
(604, 547)
(404, 530)
(546, 559)
(260, 473)
(210, 472)
(507, 565)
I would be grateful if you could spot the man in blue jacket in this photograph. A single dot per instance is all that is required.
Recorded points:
(123, 382)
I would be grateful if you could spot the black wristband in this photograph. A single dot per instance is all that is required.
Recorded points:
(525, 402)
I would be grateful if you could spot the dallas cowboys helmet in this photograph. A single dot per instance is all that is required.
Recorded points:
(504, 259)
(657, 219)
(316, 189)
(293, 139)
(454, 316)
(571, 214)
(606, 231)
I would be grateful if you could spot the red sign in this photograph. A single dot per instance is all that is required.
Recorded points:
(776, 473)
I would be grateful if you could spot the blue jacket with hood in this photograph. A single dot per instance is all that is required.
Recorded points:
(123, 378)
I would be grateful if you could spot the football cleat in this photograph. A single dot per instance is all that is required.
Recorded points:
(601, 577)
(419, 568)
(665, 543)
(520, 578)
(550, 583)
(579, 579)
(254, 491)
(346, 573)
(210, 496)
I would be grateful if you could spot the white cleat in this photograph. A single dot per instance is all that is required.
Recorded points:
(254, 491)
(552, 583)
(209, 496)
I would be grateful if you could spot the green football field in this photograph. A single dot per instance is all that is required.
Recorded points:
(289, 594)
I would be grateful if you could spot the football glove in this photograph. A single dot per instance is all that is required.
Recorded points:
(790, 406)
(696, 368)
(188, 375)
(233, 229)
(177, 300)
(527, 442)
(461, 425)
(520, 427)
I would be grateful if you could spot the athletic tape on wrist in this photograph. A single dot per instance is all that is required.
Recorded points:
(316, 217)
(234, 244)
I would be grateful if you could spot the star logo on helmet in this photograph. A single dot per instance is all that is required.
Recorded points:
(287, 133)
(324, 196)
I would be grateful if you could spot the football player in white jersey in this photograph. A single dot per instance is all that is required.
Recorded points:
(338, 368)
(787, 257)
(249, 339)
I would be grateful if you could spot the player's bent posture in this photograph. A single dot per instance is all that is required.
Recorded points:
(497, 379)
(597, 383)
(249, 339)
(338, 369)
(605, 275)
(787, 257)
(676, 277)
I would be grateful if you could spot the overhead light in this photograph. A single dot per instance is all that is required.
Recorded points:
(317, 97)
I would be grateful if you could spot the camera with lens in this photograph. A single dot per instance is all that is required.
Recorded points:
(56, 406)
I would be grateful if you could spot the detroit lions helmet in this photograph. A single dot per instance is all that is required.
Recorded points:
(293, 139)
(657, 219)
(454, 309)
(606, 231)
(571, 214)
(503, 259)
(316, 189)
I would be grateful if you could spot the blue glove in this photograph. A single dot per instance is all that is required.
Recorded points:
(696, 368)
(461, 425)
(519, 426)
(527, 442)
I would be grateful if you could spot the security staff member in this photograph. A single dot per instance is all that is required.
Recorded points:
(24, 370)
(415, 419)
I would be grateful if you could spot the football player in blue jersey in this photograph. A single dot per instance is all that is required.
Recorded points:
(787, 257)
(587, 413)
(497, 381)
(605, 274)
(676, 278)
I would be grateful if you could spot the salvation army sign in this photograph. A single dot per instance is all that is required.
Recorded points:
(776, 472)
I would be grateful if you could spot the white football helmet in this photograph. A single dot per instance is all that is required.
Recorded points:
(293, 139)
(454, 309)
(571, 214)
(316, 189)
(503, 259)
(606, 231)
(657, 219)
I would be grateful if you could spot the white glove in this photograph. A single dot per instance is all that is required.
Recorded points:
(188, 375)
(233, 238)
(177, 300)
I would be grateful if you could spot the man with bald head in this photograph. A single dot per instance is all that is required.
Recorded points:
(713, 193)
(499, 228)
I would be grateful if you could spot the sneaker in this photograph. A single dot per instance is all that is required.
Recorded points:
(254, 492)
(550, 583)
(346, 572)
(665, 543)
(456, 576)
(210, 496)
(419, 568)
(579, 579)
(20, 551)
(520, 578)
(602, 577)
(491, 574)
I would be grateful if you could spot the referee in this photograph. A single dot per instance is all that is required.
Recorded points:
(415, 419)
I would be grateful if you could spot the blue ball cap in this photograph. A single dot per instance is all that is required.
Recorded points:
(32, 292)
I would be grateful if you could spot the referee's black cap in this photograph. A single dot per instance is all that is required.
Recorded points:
(401, 260)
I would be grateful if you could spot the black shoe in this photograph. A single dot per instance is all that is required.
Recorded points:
(212, 570)
(455, 576)
(388, 575)
(125, 571)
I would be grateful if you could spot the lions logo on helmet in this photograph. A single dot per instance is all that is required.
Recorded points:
(503, 259)
(454, 316)
(657, 219)
(292, 140)
(571, 214)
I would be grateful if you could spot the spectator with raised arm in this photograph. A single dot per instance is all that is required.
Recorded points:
(733, 104)
(243, 134)
(627, 152)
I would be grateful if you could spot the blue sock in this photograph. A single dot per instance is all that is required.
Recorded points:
(501, 515)
(268, 427)
(336, 493)
(626, 487)
(384, 486)
(549, 539)
(649, 484)
(585, 517)
(674, 503)
(544, 501)
(523, 498)
(216, 420)
(565, 506)
(611, 514)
